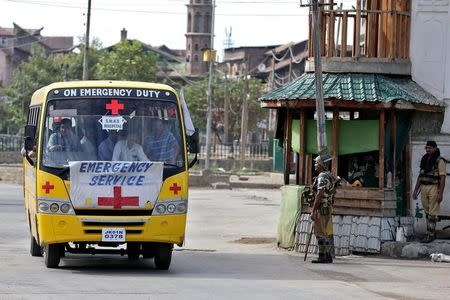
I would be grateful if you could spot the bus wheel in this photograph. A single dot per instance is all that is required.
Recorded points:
(52, 255)
(163, 256)
(35, 248)
(133, 250)
(148, 250)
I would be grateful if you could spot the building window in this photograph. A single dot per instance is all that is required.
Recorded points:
(207, 23)
(189, 29)
(188, 58)
(189, 46)
(197, 20)
(196, 47)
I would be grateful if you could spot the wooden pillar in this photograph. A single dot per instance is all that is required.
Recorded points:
(393, 48)
(357, 29)
(381, 151)
(330, 49)
(287, 146)
(408, 175)
(301, 162)
(335, 137)
(344, 34)
(380, 49)
(393, 118)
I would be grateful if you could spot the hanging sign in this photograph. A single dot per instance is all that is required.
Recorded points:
(112, 122)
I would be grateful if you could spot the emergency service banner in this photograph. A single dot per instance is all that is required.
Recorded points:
(115, 185)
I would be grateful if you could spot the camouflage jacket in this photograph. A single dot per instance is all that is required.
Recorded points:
(325, 181)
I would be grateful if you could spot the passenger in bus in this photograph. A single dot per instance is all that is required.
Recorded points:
(87, 144)
(127, 148)
(161, 144)
(64, 140)
(106, 148)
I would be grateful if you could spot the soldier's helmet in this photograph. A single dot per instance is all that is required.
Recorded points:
(323, 160)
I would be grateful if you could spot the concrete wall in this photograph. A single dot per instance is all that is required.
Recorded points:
(430, 50)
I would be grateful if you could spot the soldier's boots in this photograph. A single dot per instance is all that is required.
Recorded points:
(323, 259)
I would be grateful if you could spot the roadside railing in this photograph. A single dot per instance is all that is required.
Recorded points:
(233, 151)
(10, 142)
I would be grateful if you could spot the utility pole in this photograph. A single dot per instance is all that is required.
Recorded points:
(226, 105)
(209, 109)
(320, 107)
(244, 119)
(86, 44)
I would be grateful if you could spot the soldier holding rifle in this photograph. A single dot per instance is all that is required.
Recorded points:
(323, 190)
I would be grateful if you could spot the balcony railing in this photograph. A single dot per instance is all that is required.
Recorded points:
(381, 29)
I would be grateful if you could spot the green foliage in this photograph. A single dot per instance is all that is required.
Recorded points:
(196, 99)
(127, 61)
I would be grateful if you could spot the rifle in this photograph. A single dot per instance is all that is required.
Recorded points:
(309, 241)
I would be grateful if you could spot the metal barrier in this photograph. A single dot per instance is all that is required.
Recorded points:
(233, 151)
(10, 142)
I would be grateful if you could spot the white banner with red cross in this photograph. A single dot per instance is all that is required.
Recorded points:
(115, 185)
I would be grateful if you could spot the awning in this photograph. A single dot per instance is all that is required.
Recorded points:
(354, 87)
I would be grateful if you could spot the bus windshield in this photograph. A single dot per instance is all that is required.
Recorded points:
(106, 129)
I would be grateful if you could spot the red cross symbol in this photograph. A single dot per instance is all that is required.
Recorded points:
(114, 106)
(47, 187)
(175, 188)
(118, 201)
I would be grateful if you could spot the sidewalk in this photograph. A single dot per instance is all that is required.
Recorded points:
(225, 180)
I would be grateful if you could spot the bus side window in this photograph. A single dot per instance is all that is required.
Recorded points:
(32, 134)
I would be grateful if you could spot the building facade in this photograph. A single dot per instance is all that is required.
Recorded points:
(16, 44)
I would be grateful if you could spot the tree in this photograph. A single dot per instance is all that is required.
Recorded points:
(31, 75)
(196, 100)
(128, 60)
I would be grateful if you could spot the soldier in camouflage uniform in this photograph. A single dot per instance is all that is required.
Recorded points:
(323, 189)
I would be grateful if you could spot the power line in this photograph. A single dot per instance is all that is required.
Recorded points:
(64, 5)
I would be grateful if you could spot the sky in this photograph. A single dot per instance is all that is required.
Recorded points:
(158, 22)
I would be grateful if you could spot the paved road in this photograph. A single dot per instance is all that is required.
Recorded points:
(211, 265)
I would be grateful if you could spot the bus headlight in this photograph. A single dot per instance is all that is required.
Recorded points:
(160, 209)
(170, 207)
(43, 207)
(55, 206)
(65, 208)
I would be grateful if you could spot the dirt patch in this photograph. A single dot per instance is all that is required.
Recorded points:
(255, 240)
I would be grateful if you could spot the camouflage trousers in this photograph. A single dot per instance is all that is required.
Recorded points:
(323, 230)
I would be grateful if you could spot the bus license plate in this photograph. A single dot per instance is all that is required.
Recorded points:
(113, 235)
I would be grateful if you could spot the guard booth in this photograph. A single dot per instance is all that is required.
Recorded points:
(368, 123)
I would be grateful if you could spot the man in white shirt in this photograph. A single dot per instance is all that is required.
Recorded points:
(127, 149)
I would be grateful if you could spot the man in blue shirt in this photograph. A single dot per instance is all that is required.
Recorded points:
(161, 144)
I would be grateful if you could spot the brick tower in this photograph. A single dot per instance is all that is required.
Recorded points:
(198, 36)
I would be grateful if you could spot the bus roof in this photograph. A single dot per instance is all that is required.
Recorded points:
(40, 95)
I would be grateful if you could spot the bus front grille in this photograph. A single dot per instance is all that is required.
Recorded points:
(113, 212)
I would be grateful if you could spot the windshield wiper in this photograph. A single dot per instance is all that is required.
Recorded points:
(171, 165)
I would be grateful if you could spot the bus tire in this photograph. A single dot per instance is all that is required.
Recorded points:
(133, 250)
(163, 256)
(52, 255)
(148, 250)
(35, 248)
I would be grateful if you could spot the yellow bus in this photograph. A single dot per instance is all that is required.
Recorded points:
(106, 170)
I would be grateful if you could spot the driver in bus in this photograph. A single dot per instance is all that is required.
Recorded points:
(127, 148)
(64, 140)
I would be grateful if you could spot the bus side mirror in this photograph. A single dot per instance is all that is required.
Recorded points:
(193, 146)
(29, 138)
(193, 142)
